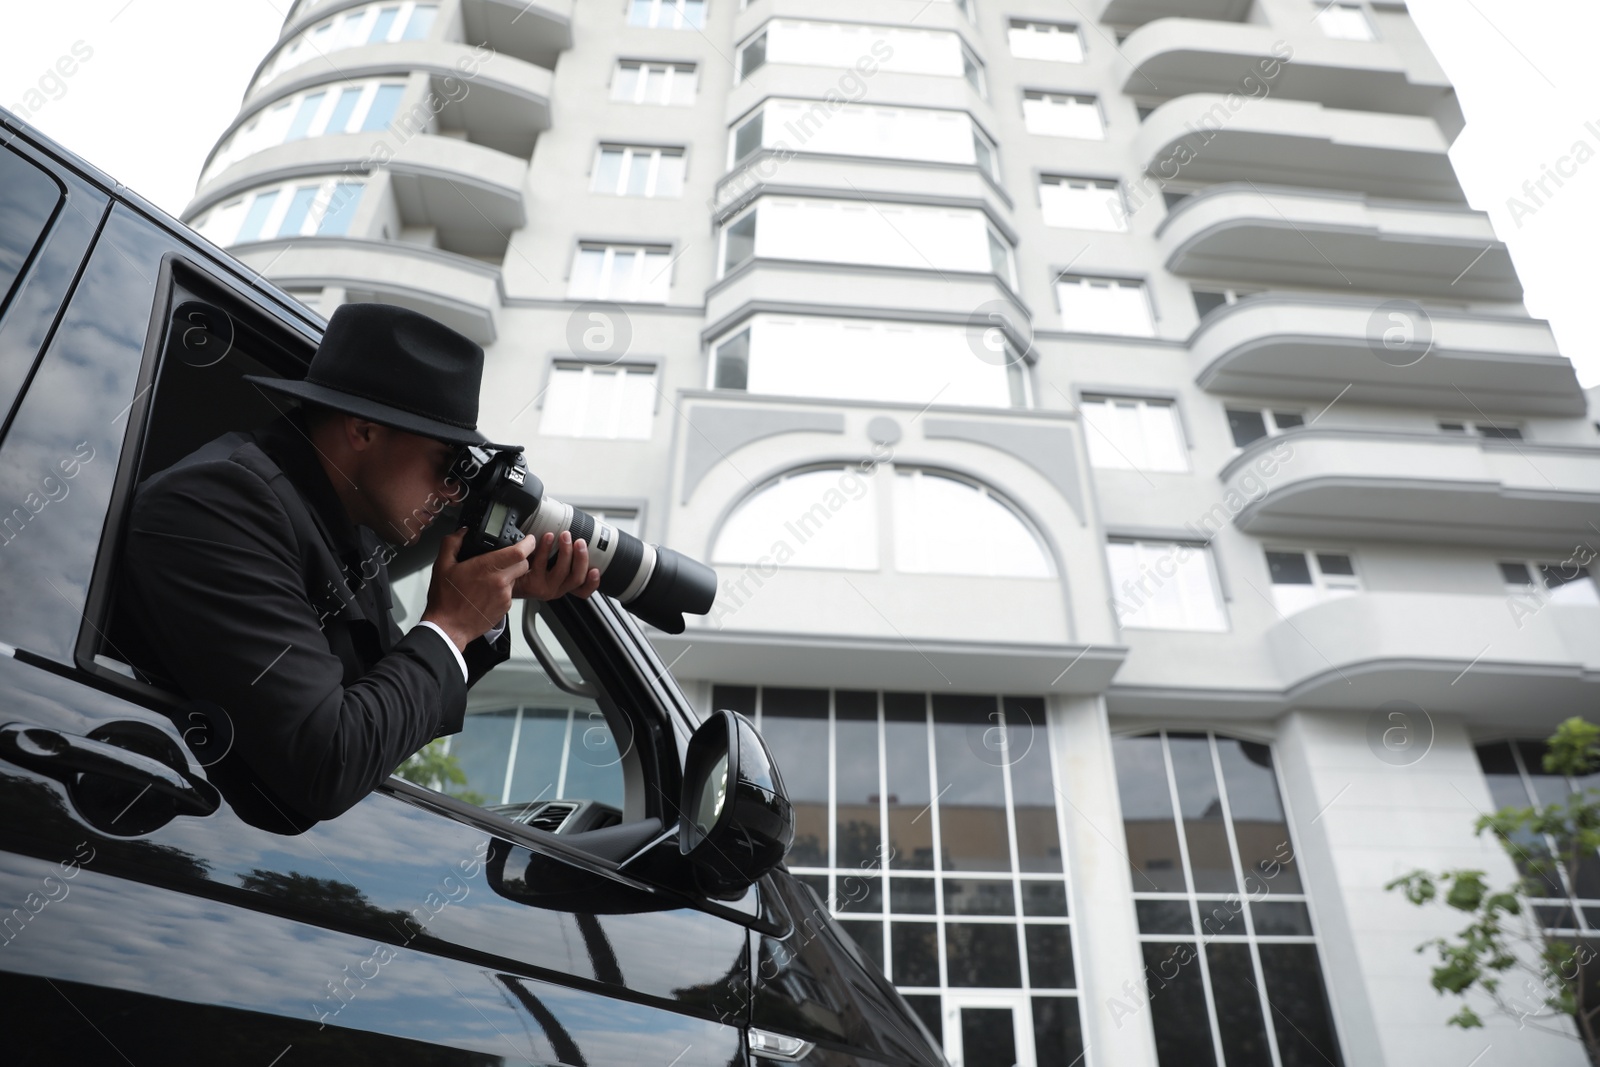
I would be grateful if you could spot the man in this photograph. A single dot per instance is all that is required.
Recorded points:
(255, 576)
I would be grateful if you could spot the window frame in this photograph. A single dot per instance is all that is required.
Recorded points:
(1141, 544)
(1120, 221)
(1045, 29)
(1180, 437)
(1269, 418)
(604, 642)
(559, 362)
(1324, 587)
(657, 155)
(672, 70)
(611, 250)
(1105, 281)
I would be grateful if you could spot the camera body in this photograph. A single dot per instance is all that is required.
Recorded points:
(504, 502)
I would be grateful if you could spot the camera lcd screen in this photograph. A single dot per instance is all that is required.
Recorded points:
(496, 520)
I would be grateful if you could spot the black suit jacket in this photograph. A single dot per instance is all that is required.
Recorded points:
(245, 585)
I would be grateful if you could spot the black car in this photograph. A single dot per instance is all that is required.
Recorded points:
(156, 908)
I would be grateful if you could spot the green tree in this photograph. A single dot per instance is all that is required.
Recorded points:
(1503, 952)
(434, 768)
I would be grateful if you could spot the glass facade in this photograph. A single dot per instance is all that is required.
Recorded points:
(1224, 925)
(930, 826)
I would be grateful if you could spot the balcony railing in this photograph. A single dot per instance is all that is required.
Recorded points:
(1282, 346)
(1201, 138)
(1246, 232)
(1434, 488)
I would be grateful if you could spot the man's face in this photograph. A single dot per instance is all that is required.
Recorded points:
(406, 481)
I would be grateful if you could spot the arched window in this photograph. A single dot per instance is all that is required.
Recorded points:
(925, 522)
(816, 518)
(945, 525)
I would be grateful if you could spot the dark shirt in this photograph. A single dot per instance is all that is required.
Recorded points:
(250, 589)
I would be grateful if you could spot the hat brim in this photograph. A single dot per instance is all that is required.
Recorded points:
(375, 410)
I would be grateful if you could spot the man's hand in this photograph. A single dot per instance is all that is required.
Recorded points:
(468, 599)
(567, 572)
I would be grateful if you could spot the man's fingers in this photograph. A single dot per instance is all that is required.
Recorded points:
(450, 547)
(513, 554)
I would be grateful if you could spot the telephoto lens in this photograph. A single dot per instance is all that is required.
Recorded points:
(505, 501)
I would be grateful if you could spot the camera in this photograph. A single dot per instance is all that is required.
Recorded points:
(504, 501)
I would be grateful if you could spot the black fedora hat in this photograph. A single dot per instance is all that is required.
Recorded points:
(397, 367)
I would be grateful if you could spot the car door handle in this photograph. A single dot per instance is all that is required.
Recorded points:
(56, 754)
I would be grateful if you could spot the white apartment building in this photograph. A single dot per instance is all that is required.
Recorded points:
(1148, 519)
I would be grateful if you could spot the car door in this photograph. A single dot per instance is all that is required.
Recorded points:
(151, 918)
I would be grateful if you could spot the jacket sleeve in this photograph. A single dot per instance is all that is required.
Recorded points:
(213, 579)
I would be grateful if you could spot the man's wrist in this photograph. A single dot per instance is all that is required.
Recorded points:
(453, 635)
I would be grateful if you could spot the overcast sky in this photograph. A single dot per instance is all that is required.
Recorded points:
(164, 77)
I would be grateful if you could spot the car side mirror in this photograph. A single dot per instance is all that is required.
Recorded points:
(735, 821)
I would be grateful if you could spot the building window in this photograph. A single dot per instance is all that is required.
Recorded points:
(1164, 585)
(753, 56)
(1057, 41)
(1063, 115)
(1230, 953)
(1208, 300)
(1252, 424)
(749, 138)
(1494, 431)
(322, 208)
(985, 154)
(1566, 907)
(875, 233)
(352, 107)
(1301, 579)
(585, 400)
(654, 83)
(896, 49)
(1346, 21)
(864, 359)
(1104, 305)
(628, 171)
(822, 518)
(907, 838)
(1082, 203)
(993, 541)
(911, 133)
(738, 241)
(628, 273)
(668, 14)
(1552, 583)
(830, 517)
(1132, 433)
(371, 24)
(559, 748)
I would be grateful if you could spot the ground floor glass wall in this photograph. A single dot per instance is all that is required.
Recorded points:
(1232, 969)
(930, 825)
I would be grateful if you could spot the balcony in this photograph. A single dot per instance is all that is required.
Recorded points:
(1434, 488)
(812, 619)
(1177, 56)
(499, 101)
(470, 194)
(461, 293)
(799, 287)
(535, 32)
(1309, 348)
(1139, 12)
(1444, 652)
(1296, 142)
(1280, 236)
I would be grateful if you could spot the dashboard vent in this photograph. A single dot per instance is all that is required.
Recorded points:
(552, 815)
